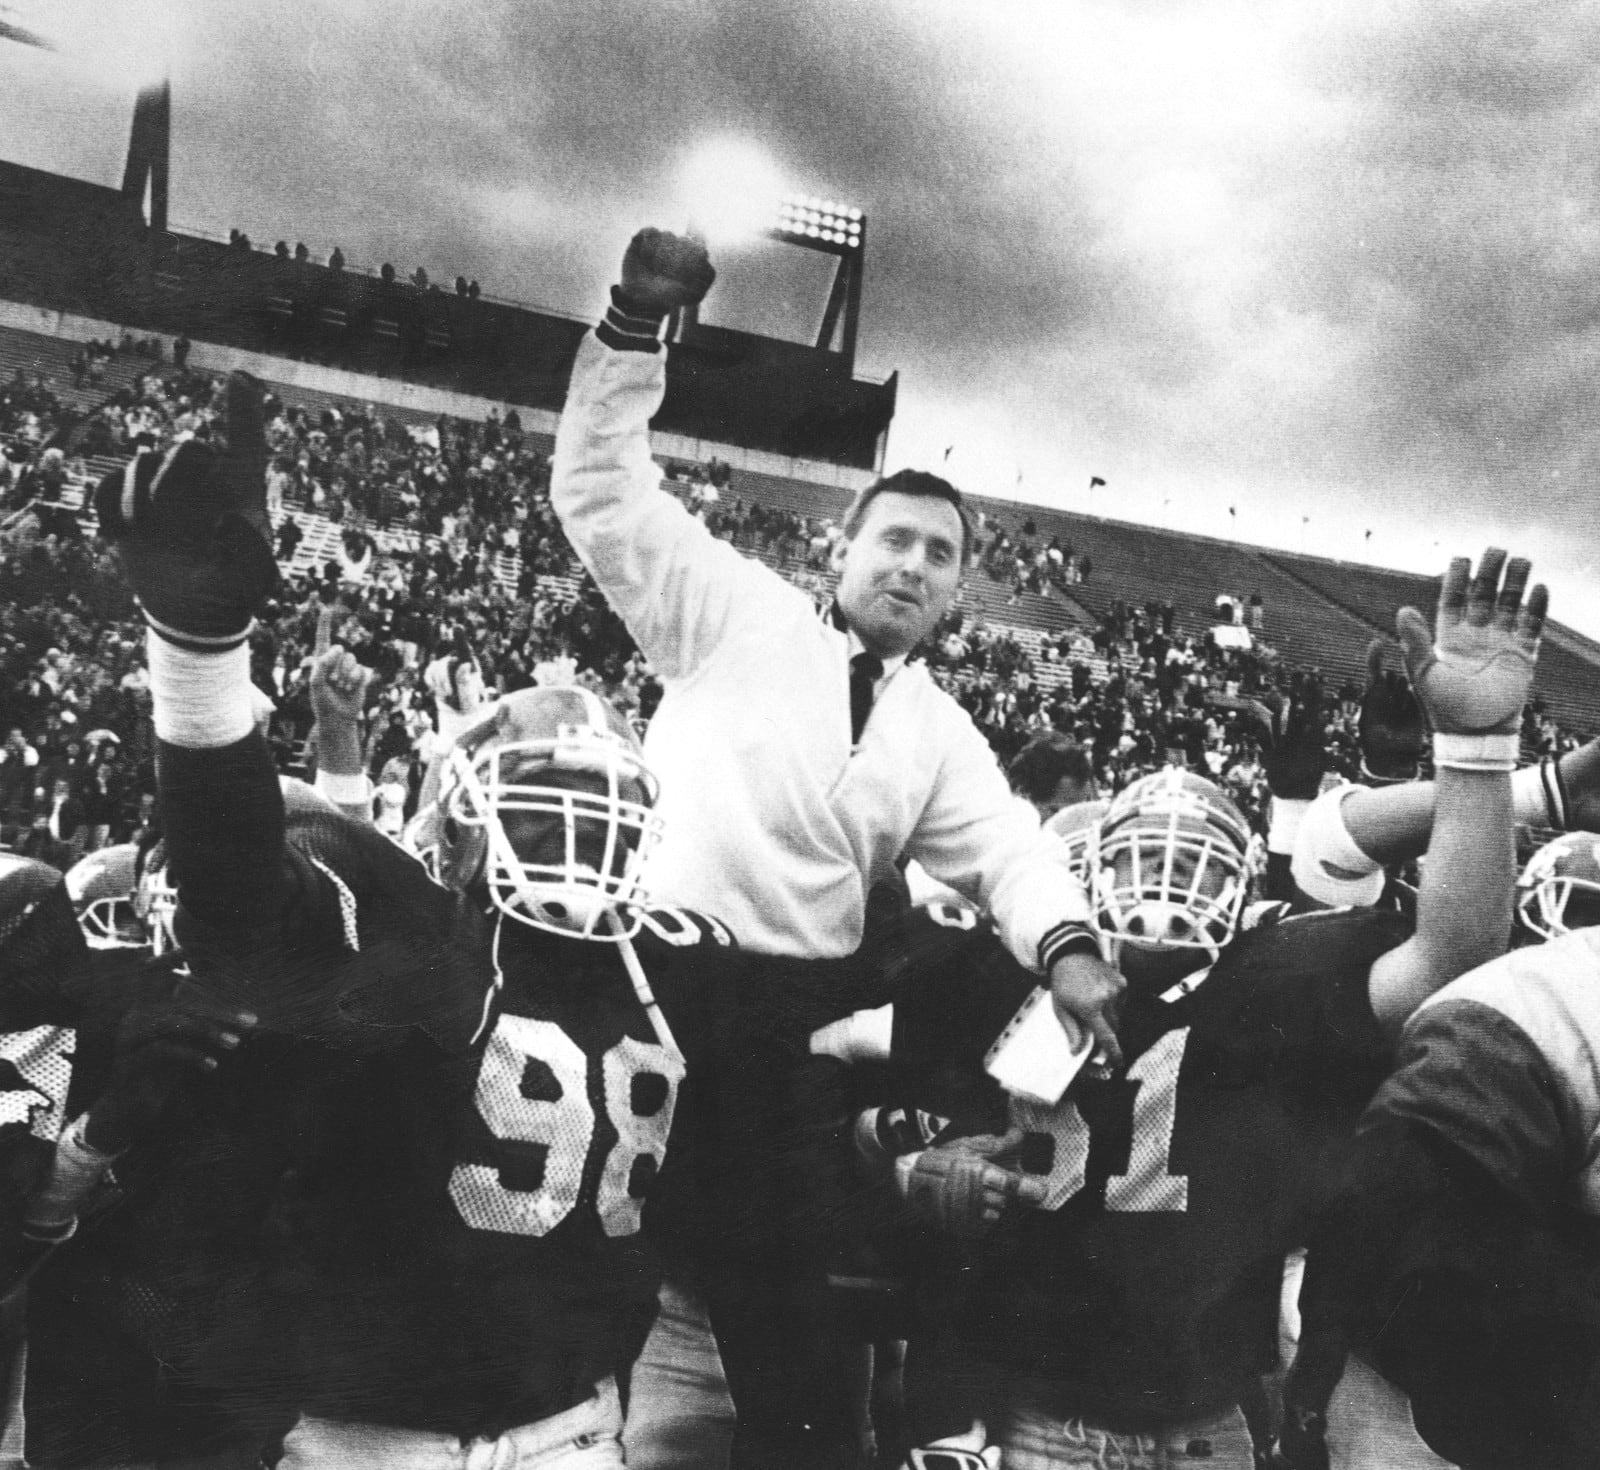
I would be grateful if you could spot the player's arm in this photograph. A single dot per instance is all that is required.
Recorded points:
(1472, 676)
(1356, 831)
(192, 527)
(674, 585)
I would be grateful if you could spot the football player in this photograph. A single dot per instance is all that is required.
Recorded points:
(1131, 1311)
(436, 1143)
(1453, 1289)
(94, 1042)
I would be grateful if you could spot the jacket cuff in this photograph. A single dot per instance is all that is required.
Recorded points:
(627, 327)
(1067, 938)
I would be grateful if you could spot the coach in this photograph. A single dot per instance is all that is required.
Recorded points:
(800, 757)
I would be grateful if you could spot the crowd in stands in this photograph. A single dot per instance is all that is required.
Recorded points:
(449, 545)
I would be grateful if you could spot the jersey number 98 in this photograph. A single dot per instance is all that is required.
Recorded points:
(564, 1126)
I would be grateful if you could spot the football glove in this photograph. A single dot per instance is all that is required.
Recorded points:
(1296, 760)
(172, 1032)
(1392, 732)
(193, 528)
(1473, 675)
(960, 1190)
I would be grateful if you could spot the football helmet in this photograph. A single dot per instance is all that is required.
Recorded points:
(102, 887)
(1170, 864)
(1075, 825)
(156, 899)
(1559, 889)
(563, 754)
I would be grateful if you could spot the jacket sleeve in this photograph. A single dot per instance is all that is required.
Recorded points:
(675, 585)
(987, 843)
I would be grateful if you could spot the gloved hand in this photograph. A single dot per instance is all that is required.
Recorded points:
(1392, 732)
(1473, 675)
(963, 1187)
(1296, 758)
(662, 272)
(172, 1032)
(192, 524)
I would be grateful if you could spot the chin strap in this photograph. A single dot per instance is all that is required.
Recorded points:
(641, 986)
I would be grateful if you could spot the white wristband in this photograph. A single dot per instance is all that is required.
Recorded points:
(1539, 796)
(1285, 825)
(1490, 753)
(344, 789)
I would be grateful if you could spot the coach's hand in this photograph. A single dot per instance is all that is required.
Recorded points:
(1088, 991)
(962, 1188)
(1474, 674)
(662, 272)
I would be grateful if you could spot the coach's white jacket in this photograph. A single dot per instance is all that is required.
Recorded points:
(773, 823)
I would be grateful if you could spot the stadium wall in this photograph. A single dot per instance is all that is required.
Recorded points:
(417, 398)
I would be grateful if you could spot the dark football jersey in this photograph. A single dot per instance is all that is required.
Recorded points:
(435, 1147)
(1145, 1290)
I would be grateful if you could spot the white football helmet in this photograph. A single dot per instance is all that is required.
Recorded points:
(1075, 825)
(101, 886)
(1170, 864)
(564, 754)
(1559, 889)
(156, 899)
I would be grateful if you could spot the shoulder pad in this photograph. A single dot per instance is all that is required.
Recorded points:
(682, 928)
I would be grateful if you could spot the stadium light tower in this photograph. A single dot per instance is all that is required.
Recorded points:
(833, 229)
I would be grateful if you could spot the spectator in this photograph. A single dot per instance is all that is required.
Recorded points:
(336, 259)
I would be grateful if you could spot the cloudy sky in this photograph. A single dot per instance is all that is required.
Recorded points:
(1336, 266)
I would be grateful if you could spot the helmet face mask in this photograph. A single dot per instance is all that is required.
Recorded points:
(104, 895)
(1170, 865)
(1559, 889)
(548, 803)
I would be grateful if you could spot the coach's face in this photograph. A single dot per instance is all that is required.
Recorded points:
(899, 573)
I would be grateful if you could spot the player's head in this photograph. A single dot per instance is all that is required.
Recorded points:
(1559, 889)
(1076, 826)
(900, 558)
(1052, 771)
(1171, 872)
(545, 801)
(101, 886)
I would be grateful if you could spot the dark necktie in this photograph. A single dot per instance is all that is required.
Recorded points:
(865, 671)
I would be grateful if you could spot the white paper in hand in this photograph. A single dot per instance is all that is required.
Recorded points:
(1037, 1056)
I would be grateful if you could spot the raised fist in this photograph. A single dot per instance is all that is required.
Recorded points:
(1392, 732)
(192, 524)
(1474, 674)
(661, 272)
(338, 688)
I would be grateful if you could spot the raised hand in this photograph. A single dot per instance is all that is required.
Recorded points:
(192, 525)
(1473, 675)
(1297, 758)
(338, 688)
(662, 272)
(1392, 732)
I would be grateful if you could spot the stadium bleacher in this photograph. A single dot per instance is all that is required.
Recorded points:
(1318, 612)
